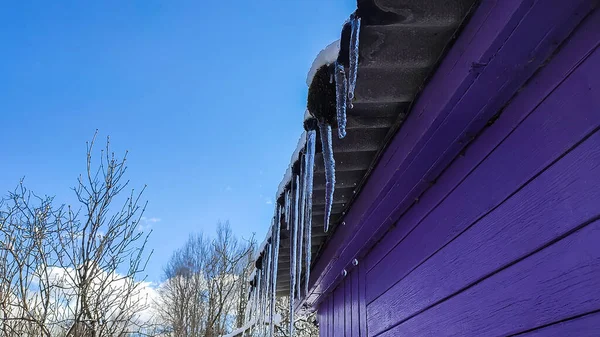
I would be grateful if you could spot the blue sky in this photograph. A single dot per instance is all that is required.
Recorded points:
(207, 97)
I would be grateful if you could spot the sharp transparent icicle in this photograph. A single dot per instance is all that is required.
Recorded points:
(353, 69)
(293, 256)
(296, 222)
(341, 90)
(288, 213)
(302, 182)
(286, 205)
(267, 280)
(269, 293)
(309, 162)
(277, 231)
(325, 131)
(260, 283)
(262, 297)
(300, 240)
(258, 294)
(262, 288)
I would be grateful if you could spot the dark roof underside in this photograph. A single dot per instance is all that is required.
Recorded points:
(400, 44)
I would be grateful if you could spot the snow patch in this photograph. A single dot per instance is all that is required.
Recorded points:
(307, 115)
(325, 57)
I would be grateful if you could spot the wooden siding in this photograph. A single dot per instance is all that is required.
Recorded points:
(506, 240)
(343, 313)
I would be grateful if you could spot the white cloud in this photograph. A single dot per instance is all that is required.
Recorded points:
(118, 295)
(145, 224)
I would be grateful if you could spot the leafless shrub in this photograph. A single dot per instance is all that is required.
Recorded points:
(74, 272)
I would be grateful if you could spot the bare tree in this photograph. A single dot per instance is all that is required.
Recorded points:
(67, 272)
(205, 288)
(304, 325)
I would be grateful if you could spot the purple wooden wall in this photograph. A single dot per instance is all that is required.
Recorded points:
(507, 241)
(343, 313)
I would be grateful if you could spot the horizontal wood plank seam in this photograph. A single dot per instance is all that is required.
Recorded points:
(508, 265)
(555, 323)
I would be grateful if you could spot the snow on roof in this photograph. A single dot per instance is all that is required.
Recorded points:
(325, 57)
(307, 115)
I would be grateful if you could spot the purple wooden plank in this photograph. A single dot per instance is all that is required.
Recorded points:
(578, 48)
(348, 306)
(338, 304)
(407, 161)
(559, 281)
(323, 313)
(362, 303)
(331, 317)
(544, 136)
(355, 304)
(585, 326)
(555, 203)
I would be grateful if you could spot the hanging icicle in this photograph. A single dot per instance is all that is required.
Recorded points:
(300, 239)
(293, 253)
(354, 43)
(326, 142)
(309, 162)
(267, 280)
(296, 203)
(276, 231)
(287, 209)
(341, 94)
(258, 294)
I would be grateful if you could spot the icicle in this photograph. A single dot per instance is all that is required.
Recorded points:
(353, 69)
(325, 130)
(267, 279)
(300, 240)
(309, 163)
(302, 193)
(262, 299)
(277, 231)
(341, 89)
(258, 294)
(264, 287)
(264, 293)
(287, 209)
(293, 255)
(269, 283)
(269, 291)
(255, 297)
